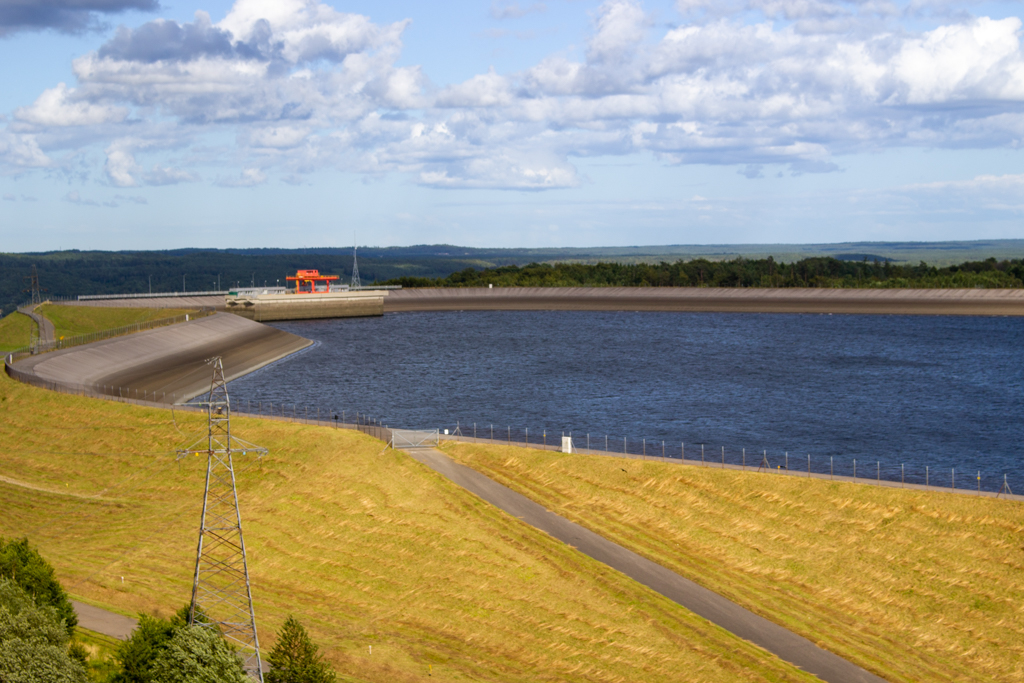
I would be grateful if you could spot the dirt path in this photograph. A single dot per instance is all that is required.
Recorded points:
(779, 641)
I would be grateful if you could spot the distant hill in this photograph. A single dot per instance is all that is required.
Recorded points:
(71, 273)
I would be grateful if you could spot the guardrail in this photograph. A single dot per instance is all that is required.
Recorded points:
(148, 295)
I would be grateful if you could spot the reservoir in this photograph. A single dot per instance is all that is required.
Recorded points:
(942, 392)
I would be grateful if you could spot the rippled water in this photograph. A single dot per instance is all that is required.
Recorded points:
(935, 391)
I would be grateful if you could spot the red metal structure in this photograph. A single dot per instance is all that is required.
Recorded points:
(311, 282)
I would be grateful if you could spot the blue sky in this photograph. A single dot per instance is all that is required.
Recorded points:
(139, 124)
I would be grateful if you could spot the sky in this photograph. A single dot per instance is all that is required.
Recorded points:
(155, 124)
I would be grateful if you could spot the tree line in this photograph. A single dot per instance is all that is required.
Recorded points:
(824, 272)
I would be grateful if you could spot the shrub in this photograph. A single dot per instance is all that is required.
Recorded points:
(34, 640)
(26, 567)
(195, 654)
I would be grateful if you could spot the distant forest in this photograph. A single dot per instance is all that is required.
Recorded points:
(810, 272)
(72, 273)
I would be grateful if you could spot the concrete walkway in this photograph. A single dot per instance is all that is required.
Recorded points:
(778, 640)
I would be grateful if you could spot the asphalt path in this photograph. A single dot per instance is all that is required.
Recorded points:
(720, 611)
(103, 621)
(47, 332)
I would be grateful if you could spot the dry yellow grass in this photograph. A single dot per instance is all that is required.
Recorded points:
(70, 321)
(366, 547)
(912, 585)
(15, 331)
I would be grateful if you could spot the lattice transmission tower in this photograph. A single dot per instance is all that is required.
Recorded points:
(33, 286)
(221, 594)
(355, 269)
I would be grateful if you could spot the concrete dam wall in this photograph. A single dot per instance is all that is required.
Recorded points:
(167, 364)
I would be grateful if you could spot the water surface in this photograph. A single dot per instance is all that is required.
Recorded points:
(940, 392)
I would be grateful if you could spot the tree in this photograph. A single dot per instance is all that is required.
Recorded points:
(26, 567)
(195, 654)
(33, 641)
(136, 655)
(295, 658)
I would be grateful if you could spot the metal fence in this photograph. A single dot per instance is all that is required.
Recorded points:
(698, 454)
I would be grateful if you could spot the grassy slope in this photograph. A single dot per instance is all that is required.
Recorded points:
(74, 320)
(915, 586)
(365, 547)
(15, 331)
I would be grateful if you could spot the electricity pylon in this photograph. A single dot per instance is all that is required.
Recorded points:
(355, 270)
(221, 595)
(33, 287)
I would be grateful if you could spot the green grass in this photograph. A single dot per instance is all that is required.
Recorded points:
(101, 651)
(71, 321)
(365, 546)
(912, 585)
(15, 331)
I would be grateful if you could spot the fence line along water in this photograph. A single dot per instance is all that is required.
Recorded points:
(699, 455)
(876, 471)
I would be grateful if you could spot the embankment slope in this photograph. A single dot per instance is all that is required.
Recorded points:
(912, 585)
(168, 363)
(365, 546)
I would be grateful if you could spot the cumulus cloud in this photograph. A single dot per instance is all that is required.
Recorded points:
(67, 16)
(60, 106)
(749, 83)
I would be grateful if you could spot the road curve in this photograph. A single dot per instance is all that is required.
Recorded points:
(720, 611)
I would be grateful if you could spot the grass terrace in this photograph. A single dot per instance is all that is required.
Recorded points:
(912, 585)
(71, 321)
(15, 331)
(364, 545)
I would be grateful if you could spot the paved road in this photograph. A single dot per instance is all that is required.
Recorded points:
(101, 621)
(713, 607)
(47, 332)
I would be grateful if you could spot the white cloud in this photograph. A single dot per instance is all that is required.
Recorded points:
(168, 176)
(59, 107)
(121, 167)
(249, 177)
(750, 83)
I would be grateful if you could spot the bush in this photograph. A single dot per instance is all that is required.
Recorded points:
(195, 654)
(295, 658)
(34, 641)
(162, 651)
(26, 567)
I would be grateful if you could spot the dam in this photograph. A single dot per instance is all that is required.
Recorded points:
(314, 296)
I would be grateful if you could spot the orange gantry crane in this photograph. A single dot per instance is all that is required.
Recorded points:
(311, 282)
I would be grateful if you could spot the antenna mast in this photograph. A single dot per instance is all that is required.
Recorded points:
(355, 268)
(221, 595)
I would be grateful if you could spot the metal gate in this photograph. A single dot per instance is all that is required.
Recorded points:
(412, 438)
